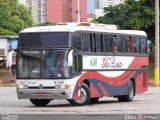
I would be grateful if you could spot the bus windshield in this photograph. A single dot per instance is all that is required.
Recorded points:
(36, 64)
(44, 39)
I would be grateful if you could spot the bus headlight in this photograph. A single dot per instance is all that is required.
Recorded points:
(22, 86)
(61, 86)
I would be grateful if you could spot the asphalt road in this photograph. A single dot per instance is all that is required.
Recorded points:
(146, 105)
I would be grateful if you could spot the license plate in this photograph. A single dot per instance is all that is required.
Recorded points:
(41, 94)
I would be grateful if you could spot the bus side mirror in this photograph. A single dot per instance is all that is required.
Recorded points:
(70, 58)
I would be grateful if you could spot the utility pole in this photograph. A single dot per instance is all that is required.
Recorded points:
(78, 12)
(157, 43)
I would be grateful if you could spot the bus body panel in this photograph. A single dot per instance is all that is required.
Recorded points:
(113, 82)
(53, 88)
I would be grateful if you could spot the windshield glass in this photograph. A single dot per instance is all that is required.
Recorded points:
(29, 64)
(42, 64)
(50, 39)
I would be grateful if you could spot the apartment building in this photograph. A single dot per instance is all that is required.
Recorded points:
(37, 8)
(58, 11)
(99, 5)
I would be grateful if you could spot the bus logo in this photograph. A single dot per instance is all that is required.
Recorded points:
(93, 62)
(40, 86)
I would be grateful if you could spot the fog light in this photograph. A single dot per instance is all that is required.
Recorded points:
(22, 86)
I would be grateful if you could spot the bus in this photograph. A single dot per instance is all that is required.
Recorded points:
(81, 63)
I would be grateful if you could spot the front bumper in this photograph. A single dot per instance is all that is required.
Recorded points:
(47, 94)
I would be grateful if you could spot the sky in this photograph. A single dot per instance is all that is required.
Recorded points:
(90, 6)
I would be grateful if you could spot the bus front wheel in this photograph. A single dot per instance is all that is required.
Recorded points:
(84, 97)
(40, 102)
(129, 96)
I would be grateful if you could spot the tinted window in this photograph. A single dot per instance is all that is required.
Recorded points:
(136, 45)
(91, 42)
(98, 43)
(52, 39)
(108, 43)
(76, 40)
(143, 45)
(86, 42)
(126, 44)
(118, 43)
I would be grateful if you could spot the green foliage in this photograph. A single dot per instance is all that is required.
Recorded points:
(131, 15)
(14, 16)
(136, 15)
(47, 24)
(6, 32)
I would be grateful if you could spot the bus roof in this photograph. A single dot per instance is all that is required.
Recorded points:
(83, 27)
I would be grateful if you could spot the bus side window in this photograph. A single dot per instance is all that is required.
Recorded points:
(130, 44)
(126, 44)
(86, 42)
(75, 65)
(136, 44)
(102, 43)
(91, 42)
(76, 40)
(139, 44)
(94, 41)
(118, 44)
(143, 45)
(108, 43)
(98, 43)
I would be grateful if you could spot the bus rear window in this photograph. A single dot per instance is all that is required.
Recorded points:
(51, 39)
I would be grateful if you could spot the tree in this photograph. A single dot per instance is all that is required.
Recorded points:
(14, 16)
(136, 15)
(47, 24)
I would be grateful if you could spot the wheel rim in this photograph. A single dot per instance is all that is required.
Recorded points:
(82, 97)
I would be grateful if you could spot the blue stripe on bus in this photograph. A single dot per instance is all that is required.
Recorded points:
(110, 89)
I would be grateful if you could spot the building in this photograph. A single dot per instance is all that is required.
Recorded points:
(37, 8)
(59, 11)
(22, 2)
(56, 11)
(99, 5)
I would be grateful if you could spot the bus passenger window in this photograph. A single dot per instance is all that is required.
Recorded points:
(108, 43)
(98, 43)
(118, 43)
(91, 42)
(86, 42)
(143, 45)
(101, 41)
(76, 40)
(130, 44)
(115, 45)
(126, 44)
(136, 45)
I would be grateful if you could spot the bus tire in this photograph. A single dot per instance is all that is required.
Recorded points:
(94, 100)
(85, 97)
(129, 96)
(40, 102)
